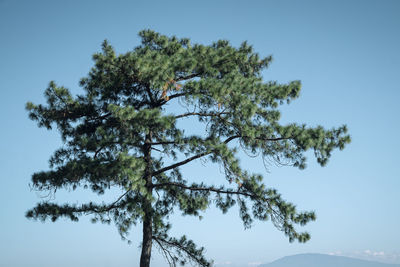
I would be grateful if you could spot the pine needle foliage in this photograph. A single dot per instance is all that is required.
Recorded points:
(121, 130)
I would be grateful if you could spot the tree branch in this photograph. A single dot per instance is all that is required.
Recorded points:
(118, 199)
(179, 247)
(164, 143)
(201, 114)
(166, 252)
(150, 95)
(44, 210)
(190, 159)
(181, 163)
(208, 152)
(163, 101)
(211, 189)
(188, 77)
(277, 215)
(108, 208)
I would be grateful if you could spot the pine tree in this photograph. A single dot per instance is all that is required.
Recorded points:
(125, 132)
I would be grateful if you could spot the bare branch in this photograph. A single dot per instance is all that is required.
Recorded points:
(166, 253)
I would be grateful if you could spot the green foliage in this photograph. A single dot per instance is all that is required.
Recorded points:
(120, 130)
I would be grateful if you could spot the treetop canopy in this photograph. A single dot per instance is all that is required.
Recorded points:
(119, 132)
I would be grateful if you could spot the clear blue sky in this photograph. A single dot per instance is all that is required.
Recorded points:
(346, 53)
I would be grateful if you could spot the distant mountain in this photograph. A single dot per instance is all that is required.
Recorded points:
(321, 260)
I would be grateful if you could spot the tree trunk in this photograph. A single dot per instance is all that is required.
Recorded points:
(147, 239)
(148, 216)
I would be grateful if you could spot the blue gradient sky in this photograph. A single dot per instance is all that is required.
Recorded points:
(345, 52)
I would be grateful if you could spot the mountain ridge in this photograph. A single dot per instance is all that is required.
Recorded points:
(324, 260)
